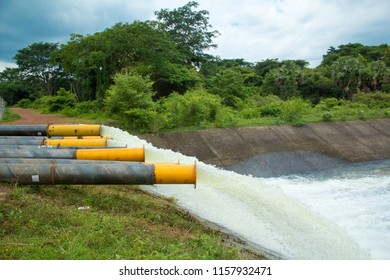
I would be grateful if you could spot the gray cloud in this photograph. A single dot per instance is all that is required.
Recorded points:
(251, 29)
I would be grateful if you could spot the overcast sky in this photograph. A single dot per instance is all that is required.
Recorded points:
(250, 29)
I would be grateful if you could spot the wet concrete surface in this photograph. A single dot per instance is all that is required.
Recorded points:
(280, 150)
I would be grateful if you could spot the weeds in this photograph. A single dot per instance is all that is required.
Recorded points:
(120, 222)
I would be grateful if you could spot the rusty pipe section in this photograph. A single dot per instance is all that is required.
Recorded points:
(99, 174)
(51, 130)
(113, 154)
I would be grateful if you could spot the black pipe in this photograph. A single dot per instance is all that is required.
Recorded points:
(79, 174)
(23, 130)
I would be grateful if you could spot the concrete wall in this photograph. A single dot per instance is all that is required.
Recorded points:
(353, 141)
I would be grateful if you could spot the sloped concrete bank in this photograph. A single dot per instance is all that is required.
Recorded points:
(281, 150)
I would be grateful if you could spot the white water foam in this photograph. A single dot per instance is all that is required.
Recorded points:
(359, 203)
(252, 208)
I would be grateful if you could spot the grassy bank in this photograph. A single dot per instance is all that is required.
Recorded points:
(103, 222)
(9, 116)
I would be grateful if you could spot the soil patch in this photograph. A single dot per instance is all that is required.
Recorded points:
(28, 116)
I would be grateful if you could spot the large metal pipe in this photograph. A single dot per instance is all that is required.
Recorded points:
(75, 142)
(30, 147)
(113, 154)
(23, 130)
(56, 161)
(53, 137)
(21, 141)
(51, 130)
(116, 154)
(74, 130)
(98, 174)
(37, 153)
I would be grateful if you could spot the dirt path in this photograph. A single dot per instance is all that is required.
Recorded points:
(28, 116)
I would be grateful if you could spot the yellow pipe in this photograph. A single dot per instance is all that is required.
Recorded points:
(75, 142)
(74, 130)
(120, 154)
(175, 173)
(84, 137)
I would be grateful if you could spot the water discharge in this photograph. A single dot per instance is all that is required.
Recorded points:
(291, 218)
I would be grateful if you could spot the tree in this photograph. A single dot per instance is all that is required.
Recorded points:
(229, 84)
(190, 29)
(35, 64)
(130, 99)
(93, 60)
(376, 73)
(130, 91)
(12, 86)
(283, 81)
(369, 53)
(347, 74)
(316, 85)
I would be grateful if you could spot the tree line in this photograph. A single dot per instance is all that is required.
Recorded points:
(156, 75)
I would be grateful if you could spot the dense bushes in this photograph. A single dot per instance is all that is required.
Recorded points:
(192, 108)
(129, 103)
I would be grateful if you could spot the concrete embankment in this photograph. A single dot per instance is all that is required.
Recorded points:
(280, 150)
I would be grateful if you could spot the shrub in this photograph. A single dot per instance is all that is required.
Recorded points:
(130, 91)
(130, 100)
(24, 103)
(293, 111)
(272, 109)
(225, 117)
(376, 100)
(327, 117)
(327, 104)
(195, 107)
(63, 99)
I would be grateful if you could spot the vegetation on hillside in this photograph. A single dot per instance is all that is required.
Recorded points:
(156, 75)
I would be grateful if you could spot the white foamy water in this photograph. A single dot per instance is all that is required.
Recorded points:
(357, 201)
(296, 218)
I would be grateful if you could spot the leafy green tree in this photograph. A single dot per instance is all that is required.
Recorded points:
(12, 86)
(375, 74)
(347, 74)
(93, 60)
(317, 85)
(35, 64)
(130, 99)
(190, 29)
(263, 67)
(130, 91)
(283, 81)
(229, 84)
(369, 53)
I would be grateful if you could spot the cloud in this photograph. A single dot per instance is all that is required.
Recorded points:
(251, 29)
(296, 29)
(25, 22)
(4, 64)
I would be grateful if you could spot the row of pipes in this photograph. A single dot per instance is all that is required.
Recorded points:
(78, 154)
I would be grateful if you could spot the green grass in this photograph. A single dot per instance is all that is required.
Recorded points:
(9, 116)
(122, 222)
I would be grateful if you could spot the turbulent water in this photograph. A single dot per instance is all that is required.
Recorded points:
(332, 215)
